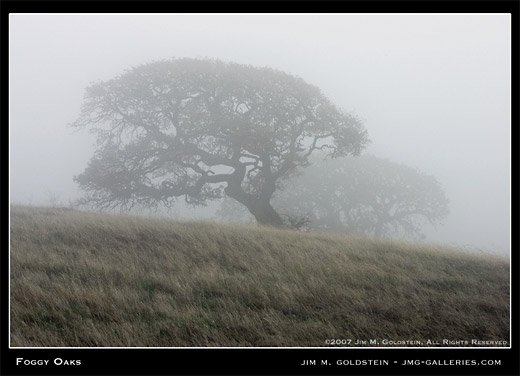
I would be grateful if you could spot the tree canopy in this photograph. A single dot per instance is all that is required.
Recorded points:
(365, 195)
(202, 129)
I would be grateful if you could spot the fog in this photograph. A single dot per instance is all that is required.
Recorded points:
(433, 92)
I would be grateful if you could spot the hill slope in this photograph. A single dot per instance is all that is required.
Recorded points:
(84, 279)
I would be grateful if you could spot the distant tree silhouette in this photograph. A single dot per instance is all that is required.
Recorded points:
(366, 195)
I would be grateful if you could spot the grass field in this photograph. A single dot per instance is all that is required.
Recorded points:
(85, 279)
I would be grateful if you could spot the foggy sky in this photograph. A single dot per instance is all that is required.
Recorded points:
(432, 90)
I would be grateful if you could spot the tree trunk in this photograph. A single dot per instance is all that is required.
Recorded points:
(379, 230)
(260, 207)
(265, 214)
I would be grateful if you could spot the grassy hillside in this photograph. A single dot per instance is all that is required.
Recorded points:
(84, 279)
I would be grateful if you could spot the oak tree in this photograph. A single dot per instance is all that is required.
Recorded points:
(203, 129)
(364, 195)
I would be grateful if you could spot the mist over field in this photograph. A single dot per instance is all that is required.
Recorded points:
(432, 91)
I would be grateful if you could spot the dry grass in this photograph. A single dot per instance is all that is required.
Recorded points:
(84, 279)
